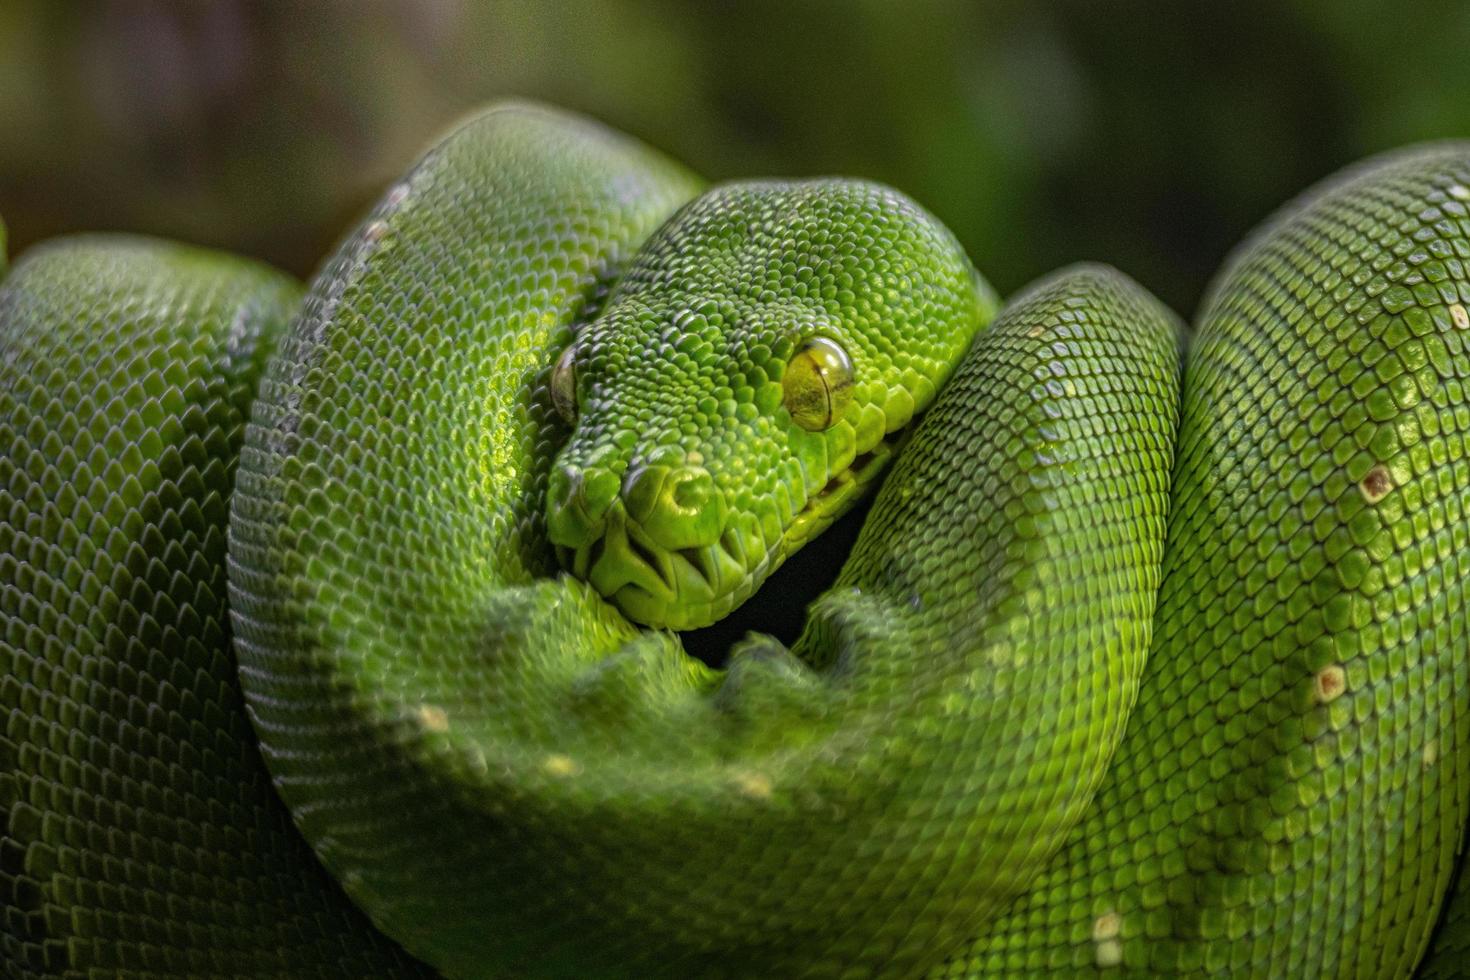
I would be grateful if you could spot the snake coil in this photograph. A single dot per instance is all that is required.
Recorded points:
(320, 651)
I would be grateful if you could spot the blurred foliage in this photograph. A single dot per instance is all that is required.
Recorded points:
(1151, 134)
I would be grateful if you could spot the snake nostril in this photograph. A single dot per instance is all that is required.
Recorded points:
(678, 506)
(562, 484)
(578, 500)
(566, 523)
(691, 489)
(598, 490)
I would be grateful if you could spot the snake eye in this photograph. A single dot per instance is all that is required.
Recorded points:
(564, 385)
(817, 386)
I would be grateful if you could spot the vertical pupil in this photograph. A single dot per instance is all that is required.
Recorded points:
(818, 384)
(810, 398)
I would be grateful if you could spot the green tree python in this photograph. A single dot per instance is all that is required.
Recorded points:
(339, 635)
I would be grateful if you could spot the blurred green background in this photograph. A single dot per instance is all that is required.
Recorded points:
(1151, 135)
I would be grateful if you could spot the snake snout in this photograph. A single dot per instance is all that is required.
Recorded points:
(655, 543)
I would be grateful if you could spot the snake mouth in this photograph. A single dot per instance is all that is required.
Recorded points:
(688, 588)
(842, 490)
(681, 588)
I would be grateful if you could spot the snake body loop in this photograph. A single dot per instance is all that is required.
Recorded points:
(139, 834)
(1151, 658)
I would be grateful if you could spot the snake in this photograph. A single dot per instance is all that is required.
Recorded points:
(342, 627)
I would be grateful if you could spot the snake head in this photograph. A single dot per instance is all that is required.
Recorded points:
(745, 384)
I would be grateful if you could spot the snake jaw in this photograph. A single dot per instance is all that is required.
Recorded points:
(672, 588)
(689, 587)
(843, 490)
(628, 559)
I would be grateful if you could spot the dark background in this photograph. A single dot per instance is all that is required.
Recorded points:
(1151, 135)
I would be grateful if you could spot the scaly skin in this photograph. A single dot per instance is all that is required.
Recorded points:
(1448, 957)
(1292, 788)
(139, 835)
(511, 779)
(696, 495)
(602, 804)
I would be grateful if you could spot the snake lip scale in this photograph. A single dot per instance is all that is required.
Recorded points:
(337, 625)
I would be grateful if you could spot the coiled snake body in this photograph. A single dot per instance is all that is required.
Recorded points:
(1134, 670)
